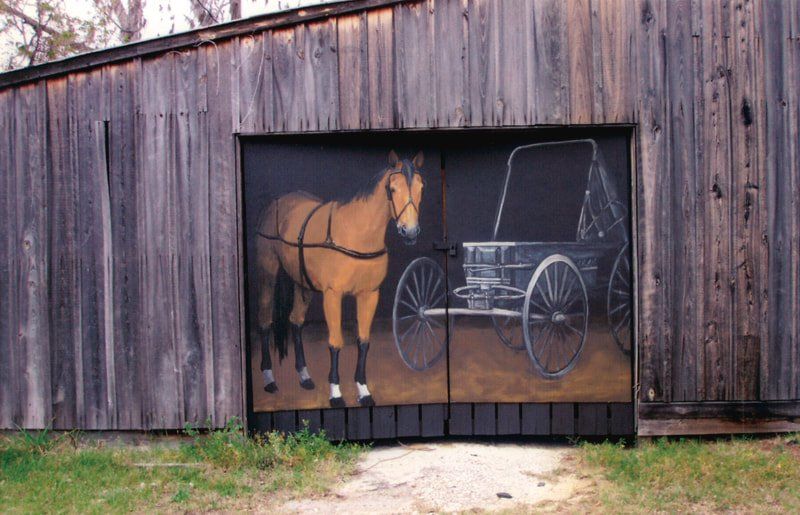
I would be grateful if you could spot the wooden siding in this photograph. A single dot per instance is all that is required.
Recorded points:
(119, 252)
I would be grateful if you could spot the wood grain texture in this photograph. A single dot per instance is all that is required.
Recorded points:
(119, 190)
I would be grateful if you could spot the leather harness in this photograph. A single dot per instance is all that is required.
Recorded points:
(329, 243)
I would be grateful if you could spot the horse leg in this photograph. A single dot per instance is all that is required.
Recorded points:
(332, 306)
(366, 304)
(268, 264)
(302, 299)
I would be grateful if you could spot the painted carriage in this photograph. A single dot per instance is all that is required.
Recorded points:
(537, 294)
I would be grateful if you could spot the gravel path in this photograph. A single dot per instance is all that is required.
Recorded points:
(453, 477)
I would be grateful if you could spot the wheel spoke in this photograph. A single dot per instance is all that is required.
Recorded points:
(406, 317)
(625, 319)
(435, 322)
(418, 298)
(623, 305)
(405, 333)
(438, 299)
(577, 332)
(623, 293)
(549, 285)
(412, 308)
(411, 294)
(544, 295)
(562, 300)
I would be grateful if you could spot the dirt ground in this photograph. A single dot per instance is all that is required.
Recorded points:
(455, 477)
(482, 369)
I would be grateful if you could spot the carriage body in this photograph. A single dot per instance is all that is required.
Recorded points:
(498, 273)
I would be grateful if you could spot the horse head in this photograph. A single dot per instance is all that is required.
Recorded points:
(404, 192)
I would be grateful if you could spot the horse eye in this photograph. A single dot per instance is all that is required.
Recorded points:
(393, 189)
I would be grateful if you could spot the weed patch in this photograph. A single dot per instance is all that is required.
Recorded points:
(690, 474)
(223, 469)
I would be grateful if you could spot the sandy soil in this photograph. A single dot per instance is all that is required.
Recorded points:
(454, 477)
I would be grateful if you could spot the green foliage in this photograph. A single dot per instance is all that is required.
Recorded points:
(691, 474)
(221, 469)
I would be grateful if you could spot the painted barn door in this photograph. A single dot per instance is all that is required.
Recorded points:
(540, 283)
(362, 189)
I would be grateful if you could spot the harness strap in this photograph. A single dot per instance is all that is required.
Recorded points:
(300, 255)
(327, 244)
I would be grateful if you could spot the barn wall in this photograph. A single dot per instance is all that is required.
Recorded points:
(119, 243)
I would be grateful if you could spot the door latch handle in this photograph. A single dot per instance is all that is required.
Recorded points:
(445, 246)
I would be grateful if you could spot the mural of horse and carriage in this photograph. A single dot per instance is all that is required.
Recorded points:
(535, 293)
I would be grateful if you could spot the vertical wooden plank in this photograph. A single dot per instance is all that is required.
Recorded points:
(312, 419)
(511, 30)
(158, 233)
(794, 167)
(652, 166)
(778, 349)
(745, 119)
(548, 64)
(645, 11)
(580, 54)
(92, 273)
(484, 419)
(592, 419)
(451, 65)
(320, 79)
(508, 419)
(717, 192)
(432, 419)
(223, 240)
(535, 419)
(358, 424)
(191, 260)
(414, 54)
(8, 265)
(681, 257)
(124, 195)
(64, 315)
(408, 420)
(31, 243)
(384, 422)
(333, 422)
(380, 51)
(284, 79)
(616, 24)
(621, 419)
(261, 422)
(460, 420)
(562, 421)
(480, 67)
(353, 71)
(255, 82)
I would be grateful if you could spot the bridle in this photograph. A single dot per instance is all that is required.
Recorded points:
(390, 195)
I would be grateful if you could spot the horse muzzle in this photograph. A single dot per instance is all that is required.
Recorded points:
(409, 234)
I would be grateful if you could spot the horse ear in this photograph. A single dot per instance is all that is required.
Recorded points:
(419, 159)
(393, 159)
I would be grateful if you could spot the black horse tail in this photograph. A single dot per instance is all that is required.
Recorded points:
(282, 302)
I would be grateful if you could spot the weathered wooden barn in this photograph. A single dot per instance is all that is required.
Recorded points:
(122, 303)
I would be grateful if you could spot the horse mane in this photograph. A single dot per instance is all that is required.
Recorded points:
(368, 188)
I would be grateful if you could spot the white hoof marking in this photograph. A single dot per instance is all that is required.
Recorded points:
(335, 391)
(304, 375)
(363, 391)
(268, 377)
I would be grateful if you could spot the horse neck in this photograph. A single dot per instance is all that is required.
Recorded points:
(364, 220)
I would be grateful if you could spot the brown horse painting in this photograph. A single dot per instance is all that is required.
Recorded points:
(338, 249)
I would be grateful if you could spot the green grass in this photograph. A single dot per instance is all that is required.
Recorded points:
(741, 474)
(41, 472)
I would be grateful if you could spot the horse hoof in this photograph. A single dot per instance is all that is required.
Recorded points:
(366, 401)
(337, 402)
(271, 388)
(307, 384)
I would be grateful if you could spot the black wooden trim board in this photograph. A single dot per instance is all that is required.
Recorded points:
(458, 419)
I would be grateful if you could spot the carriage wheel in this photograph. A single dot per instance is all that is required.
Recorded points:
(618, 301)
(421, 339)
(509, 329)
(555, 316)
